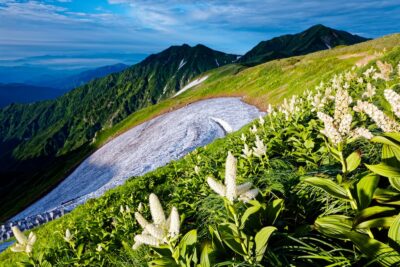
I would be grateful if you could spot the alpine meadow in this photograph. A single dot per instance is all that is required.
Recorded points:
(113, 153)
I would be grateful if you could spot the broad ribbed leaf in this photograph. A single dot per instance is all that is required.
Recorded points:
(374, 211)
(353, 161)
(375, 249)
(394, 230)
(365, 190)
(163, 262)
(385, 170)
(334, 225)
(395, 182)
(261, 240)
(384, 222)
(329, 186)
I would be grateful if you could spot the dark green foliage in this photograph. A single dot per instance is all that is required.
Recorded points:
(313, 39)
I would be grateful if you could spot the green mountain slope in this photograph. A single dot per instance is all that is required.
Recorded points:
(103, 231)
(35, 138)
(313, 39)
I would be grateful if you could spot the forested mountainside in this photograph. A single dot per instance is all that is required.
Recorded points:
(34, 137)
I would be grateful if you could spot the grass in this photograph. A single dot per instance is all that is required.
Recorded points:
(268, 83)
(260, 85)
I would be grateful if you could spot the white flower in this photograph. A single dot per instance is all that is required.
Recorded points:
(330, 130)
(160, 230)
(68, 236)
(394, 100)
(127, 209)
(197, 169)
(121, 209)
(249, 195)
(243, 138)
(345, 124)
(230, 190)
(246, 151)
(270, 109)
(385, 70)
(253, 129)
(370, 91)
(261, 120)
(361, 132)
(175, 223)
(140, 207)
(380, 118)
(260, 149)
(99, 248)
(230, 176)
(156, 210)
(23, 244)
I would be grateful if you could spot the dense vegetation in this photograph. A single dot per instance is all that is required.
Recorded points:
(37, 139)
(311, 40)
(312, 183)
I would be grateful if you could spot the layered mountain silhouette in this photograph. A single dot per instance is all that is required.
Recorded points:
(316, 38)
(79, 79)
(41, 143)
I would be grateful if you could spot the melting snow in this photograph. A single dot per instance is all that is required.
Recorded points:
(191, 84)
(227, 128)
(216, 62)
(181, 64)
(145, 148)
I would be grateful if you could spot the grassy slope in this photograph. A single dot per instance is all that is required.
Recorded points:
(261, 85)
(267, 83)
(264, 84)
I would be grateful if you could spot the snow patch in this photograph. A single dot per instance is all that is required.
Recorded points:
(216, 62)
(226, 126)
(146, 147)
(191, 84)
(182, 63)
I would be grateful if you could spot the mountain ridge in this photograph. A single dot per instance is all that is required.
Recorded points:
(315, 38)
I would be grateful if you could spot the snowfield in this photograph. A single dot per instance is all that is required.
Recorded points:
(191, 84)
(145, 148)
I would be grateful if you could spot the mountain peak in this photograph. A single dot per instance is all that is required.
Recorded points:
(316, 38)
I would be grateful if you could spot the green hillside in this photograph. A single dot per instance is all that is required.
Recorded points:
(41, 142)
(313, 39)
(324, 195)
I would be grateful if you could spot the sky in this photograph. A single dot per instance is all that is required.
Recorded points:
(116, 29)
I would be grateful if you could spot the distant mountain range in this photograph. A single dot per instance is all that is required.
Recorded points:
(76, 80)
(41, 141)
(43, 89)
(311, 40)
(24, 93)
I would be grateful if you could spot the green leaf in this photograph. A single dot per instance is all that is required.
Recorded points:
(273, 210)
(353, 161)
(227, 235)
(375, 249)
(385, 222)
(329, 186)
(394, 230)
(186, 243)
(335, 226)
(365, 190)
(163, 262)
(249, 211)
(385, 170)
(261, 240)
(207, 255)
(374, 211)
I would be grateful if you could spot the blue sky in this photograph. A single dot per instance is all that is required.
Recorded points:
(92, 27)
